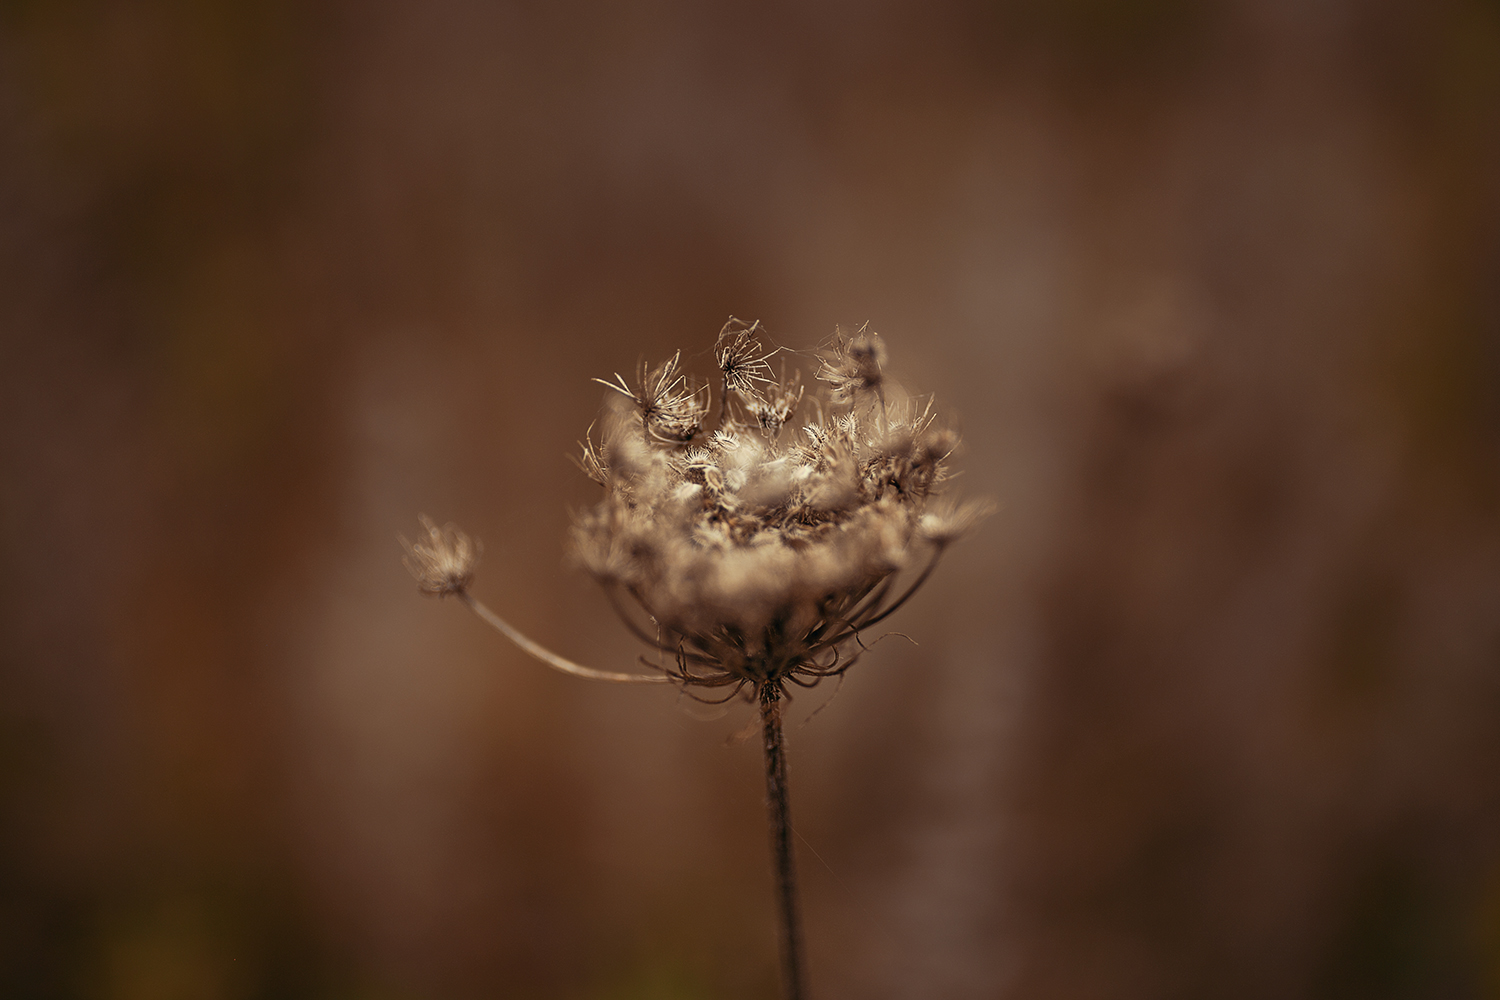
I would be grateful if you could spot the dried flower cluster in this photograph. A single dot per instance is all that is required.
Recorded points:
(761, 540)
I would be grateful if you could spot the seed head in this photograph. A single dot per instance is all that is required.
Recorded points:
(754, 564)
(444, 564)
(672, 409)
(742, 361)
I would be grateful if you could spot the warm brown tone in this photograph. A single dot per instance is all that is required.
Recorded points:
(1210, 708)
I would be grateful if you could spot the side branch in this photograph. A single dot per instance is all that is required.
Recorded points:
(550, 658)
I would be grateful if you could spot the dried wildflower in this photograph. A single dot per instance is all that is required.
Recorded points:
(754, 568)
(743, 565)
(445, 563)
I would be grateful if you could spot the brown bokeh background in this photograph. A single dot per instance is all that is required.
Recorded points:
(1211, 709)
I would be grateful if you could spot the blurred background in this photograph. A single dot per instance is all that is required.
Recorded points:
(1210, 709)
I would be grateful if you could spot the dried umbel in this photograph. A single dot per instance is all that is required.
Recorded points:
(759, 552)
(750, 539)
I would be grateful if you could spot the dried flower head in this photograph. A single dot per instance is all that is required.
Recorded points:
(444, 564)
(753, 562)
(672, 410)
(742, 361)
(756, 564)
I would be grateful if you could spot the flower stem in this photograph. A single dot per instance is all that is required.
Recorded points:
(781, 843)
(546, 655)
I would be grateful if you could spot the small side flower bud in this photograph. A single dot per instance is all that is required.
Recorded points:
(444, 563)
